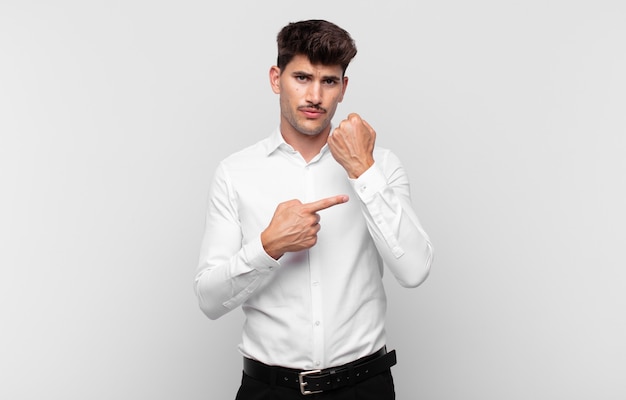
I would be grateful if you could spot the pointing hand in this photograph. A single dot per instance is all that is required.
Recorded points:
(295, 225)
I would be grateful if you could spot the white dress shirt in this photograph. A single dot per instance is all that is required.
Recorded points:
(320, 307)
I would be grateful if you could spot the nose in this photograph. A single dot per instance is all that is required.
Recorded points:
(314, 93)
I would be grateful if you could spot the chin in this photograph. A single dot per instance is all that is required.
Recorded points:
(312, 131)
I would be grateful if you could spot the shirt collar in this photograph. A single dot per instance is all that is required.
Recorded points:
(276, 141)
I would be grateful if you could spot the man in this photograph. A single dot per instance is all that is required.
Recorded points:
(299, 228)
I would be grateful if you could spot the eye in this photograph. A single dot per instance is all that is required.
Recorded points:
(330, 82)
(301, 78)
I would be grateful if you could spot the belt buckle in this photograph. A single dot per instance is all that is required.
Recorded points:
(303, 384)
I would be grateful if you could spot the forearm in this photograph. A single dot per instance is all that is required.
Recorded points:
(399, 238)
(397, 233)
(224, 282)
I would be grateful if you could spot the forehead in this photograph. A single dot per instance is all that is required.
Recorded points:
(301, 63)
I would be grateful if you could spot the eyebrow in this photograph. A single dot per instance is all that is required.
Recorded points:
(309, 75)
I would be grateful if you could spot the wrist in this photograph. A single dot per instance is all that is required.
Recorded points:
(356, 171)
(268, 248)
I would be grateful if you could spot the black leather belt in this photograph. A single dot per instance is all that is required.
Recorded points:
(316, 381)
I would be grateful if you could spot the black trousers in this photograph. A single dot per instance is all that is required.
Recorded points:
(378, 387)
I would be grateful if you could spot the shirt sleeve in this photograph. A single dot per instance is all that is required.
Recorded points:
(229, 271)
(392, 222)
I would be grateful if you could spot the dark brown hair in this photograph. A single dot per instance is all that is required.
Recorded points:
(321, 41)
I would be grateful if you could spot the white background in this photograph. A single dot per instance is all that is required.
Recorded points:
(509, 116)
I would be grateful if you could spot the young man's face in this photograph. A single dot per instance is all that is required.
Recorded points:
(309, 94)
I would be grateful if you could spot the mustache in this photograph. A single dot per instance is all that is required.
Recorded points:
(313, 107)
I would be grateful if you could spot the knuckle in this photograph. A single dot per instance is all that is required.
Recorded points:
(288, 203)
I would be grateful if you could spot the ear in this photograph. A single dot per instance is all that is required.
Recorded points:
(343, 89)
(275, 79)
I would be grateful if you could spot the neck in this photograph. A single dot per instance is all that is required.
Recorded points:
(307, 145)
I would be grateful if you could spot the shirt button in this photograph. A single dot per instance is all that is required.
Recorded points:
(363, 188)
(317, 363)
(317, 323)
(316, 283)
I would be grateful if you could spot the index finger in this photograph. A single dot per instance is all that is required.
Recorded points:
(328, 202)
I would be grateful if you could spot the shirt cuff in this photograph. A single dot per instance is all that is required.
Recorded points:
(369, 183)
(257, 258)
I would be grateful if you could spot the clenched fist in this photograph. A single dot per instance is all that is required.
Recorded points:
(352, 145)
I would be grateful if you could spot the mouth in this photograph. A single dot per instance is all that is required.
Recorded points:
(312, 112)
